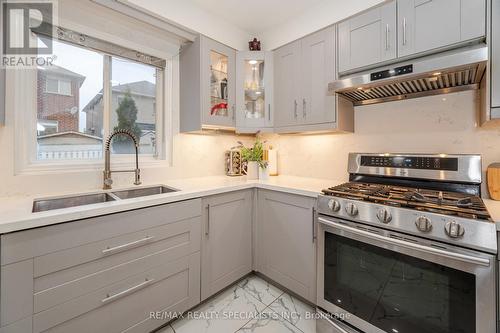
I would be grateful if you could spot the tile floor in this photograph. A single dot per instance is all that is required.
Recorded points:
(252, 305)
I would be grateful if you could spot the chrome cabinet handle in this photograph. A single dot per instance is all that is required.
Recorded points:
(314, 224)
(233, 108)
(207, 229)
(404, 31)
(427, 249)
(387, 37)
(295, 114)
(304, 103)
(269, 112)
(124, 247)
(110, 298)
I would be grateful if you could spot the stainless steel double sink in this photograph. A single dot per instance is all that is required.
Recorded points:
(42, 205)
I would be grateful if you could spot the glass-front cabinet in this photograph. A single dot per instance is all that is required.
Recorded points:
(254, 93)
(207, 86)
(219, 69)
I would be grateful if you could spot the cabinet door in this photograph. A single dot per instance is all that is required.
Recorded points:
(286, 241)
(318, 69)
(495, 54)
(218, 84)
(287, 62)
(227, 241)
(368, 38)
(429, 24)
(254, 90)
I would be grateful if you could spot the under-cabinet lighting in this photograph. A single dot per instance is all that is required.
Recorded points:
(253, 62)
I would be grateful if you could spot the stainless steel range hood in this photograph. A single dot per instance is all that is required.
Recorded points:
(442, 73)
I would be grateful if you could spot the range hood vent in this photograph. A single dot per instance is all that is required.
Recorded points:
(438, 74)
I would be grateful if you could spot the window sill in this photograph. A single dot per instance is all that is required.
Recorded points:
(58, 93)
(63, 167)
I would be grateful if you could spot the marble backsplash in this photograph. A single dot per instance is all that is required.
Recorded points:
(438, 124)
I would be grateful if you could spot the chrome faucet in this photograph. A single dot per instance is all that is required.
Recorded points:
(107, 182)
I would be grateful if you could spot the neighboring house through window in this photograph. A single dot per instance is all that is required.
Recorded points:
(71, 110)
(143, 97)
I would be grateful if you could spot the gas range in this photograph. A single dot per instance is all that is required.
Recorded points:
(405, 241)
(431, 201)
(385, 192)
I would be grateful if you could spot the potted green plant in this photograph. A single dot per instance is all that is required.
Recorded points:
(254, 156)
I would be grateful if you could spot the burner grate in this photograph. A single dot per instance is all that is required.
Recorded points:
(441, 202)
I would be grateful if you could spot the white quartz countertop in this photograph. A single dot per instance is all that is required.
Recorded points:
(16, 215)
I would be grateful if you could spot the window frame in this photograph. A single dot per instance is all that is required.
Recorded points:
(25, 121)
(58, 92)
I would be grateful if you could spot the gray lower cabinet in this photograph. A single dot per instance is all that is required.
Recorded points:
(226, 240)
(103, 274)
(286, 242)
(424, 25)
(368, 38)
(498, 283)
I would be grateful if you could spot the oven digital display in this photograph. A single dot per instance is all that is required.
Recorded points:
(411, 162)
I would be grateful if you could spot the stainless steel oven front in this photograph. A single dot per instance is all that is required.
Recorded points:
(381, 281)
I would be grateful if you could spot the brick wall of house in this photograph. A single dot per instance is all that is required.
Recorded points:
(58, 107)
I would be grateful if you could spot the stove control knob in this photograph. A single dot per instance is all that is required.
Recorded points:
(351, 209)
(334, 205)
(423, 224)
(384, 216)
(454, 229)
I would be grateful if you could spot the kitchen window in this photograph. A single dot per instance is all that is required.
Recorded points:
(87, 93)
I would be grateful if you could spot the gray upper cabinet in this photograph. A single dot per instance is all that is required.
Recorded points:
(302, 72)
(285, 241)
(226, 240)
(254, 91)
(368, 38)
(287, 84)
(425, 25)
(495, 57)
(207, 86)
(318, 69)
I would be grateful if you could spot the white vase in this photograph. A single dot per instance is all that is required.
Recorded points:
(252, 170)
(263, 173)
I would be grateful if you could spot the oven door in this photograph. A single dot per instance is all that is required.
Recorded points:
(381, 281)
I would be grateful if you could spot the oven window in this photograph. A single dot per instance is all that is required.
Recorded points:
(395, 292)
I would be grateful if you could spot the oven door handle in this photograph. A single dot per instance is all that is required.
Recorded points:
(408, 245)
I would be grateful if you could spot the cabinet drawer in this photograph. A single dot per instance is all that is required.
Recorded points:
(173, 286)
(32, 243)
(64, 285)
(120, 249)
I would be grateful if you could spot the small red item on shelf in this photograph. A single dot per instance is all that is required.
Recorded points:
(217, 107)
